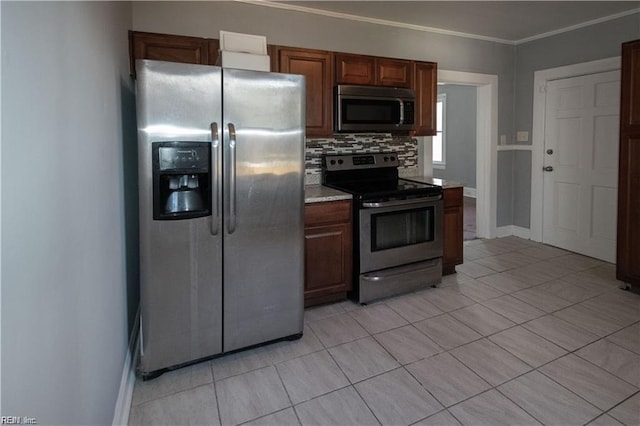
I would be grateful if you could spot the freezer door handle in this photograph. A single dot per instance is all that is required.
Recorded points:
(215, 190)
(232, 178)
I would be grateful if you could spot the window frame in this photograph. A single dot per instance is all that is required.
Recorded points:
(442, 98)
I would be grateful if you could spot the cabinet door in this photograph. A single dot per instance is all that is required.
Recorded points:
(317, 67)
(327, 251)
(394, 72)
(166, 47)
(355, 69)
(628, 239)
(453, 230)
(328, 255)
(426, 78)
(213, 45)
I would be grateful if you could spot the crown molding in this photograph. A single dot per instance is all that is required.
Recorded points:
(377, 21)
(340, 15)
(578, 26)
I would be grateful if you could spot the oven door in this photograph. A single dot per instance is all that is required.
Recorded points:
(394, 233)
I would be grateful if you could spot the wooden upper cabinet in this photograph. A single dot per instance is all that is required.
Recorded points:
(317, 67)
(394, 72)
(213, 44)
(322, 70)
(630, 107)
(171, 48)
(371, 70)
(355, 69)
(426, 79)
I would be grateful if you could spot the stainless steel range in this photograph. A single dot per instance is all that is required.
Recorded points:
(397, 225)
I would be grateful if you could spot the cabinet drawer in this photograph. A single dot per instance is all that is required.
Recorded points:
(328, 212)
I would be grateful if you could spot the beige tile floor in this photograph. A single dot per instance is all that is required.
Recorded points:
(523, 334)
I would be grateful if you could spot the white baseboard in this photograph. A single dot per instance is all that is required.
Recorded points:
(469, 192)
(517, 231)
(128, 380)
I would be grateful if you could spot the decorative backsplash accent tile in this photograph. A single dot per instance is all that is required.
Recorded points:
(405, 146)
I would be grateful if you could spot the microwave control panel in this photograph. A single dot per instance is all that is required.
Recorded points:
(409, 115)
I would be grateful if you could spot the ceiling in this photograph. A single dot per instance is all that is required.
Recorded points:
(505, 21)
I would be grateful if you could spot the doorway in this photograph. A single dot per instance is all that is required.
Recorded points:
(454, 146)
(580, 182)
(486, 145)
(575, 158)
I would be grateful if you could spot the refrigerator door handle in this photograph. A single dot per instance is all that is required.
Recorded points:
(232, 178)
(215, 207)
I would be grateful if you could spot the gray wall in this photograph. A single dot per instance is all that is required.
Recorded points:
(505, 188)
(582, 45)
(460, 122)
(522, 188)
(290, 28)
(66, 113)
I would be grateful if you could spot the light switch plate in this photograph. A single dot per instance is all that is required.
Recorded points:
(522, 136)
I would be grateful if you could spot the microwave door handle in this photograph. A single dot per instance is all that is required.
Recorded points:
(401, 102)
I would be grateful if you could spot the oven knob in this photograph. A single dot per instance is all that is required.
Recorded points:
(386, 158)
(340, 161)
(393, 158)
(333, 162)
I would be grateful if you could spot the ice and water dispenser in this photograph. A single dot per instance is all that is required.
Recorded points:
(181, 179)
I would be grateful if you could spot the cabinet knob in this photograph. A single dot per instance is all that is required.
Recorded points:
(548, 169)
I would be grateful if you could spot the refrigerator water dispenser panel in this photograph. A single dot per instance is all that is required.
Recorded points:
(181, 176)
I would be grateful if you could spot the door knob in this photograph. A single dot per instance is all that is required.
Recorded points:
(549, 151)
(548, 169)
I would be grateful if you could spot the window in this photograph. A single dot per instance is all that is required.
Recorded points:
(439, 140)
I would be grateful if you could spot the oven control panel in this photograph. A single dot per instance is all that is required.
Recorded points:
(360, 161)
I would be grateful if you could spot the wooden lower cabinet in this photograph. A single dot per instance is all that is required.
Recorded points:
(453, 233)
(628, 242)
(328, 251)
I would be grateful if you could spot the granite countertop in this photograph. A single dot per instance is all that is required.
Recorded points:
(316, 193)
(321, 193)
(445, 184)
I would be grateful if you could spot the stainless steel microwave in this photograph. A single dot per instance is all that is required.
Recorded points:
(373, 109)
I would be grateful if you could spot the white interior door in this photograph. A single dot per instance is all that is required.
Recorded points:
(581, 164)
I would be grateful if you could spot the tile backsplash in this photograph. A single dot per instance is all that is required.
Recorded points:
(405, 146)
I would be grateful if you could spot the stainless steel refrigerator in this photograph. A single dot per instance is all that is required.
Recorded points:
(221, 172)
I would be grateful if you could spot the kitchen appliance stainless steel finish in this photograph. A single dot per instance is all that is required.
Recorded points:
(221, 162)
(398, 238)
(373, 109)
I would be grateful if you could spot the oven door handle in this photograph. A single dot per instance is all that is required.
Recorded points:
(377, 205)
(385, 275)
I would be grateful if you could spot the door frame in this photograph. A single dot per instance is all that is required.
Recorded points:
(540, 80)
(486, 145)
